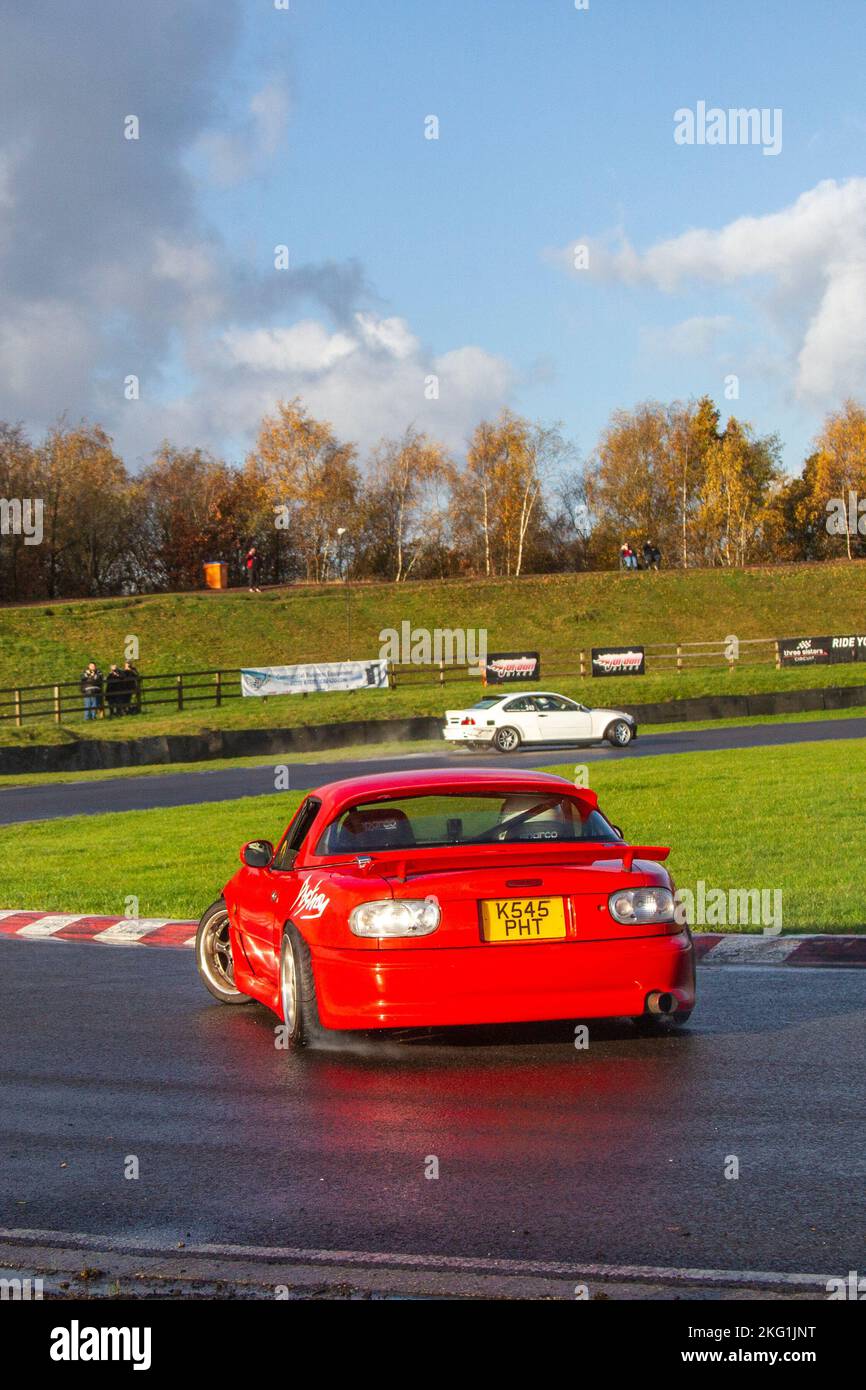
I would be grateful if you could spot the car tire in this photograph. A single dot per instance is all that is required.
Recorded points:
(299, 1003)
(213, 955)
(506, 740)
(619, 733)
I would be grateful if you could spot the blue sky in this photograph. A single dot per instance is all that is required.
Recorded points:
(556, 126)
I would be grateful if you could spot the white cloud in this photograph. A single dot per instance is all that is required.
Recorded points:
(368, 379)
(110, 265)
(391, 335)
(305, 347)
(41, 342)
(804, 267)
(693, 337)
(237, 154)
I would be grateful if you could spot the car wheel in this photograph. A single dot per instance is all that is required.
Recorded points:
(299, 1003)
(619, 734)
(506, 740)
(213, 955)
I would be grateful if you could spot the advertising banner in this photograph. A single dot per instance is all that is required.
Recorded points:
(618, 661)
(848, 648)
(502, 667)
(315, 675)
(821, 651)
(806, 651)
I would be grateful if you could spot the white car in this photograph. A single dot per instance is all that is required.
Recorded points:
(507, 721)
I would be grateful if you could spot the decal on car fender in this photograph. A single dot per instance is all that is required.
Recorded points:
(310, 902)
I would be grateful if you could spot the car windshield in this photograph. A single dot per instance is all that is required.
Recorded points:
(487, 702)
(458, 818)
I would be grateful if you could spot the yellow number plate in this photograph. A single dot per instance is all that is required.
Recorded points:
(523, 919)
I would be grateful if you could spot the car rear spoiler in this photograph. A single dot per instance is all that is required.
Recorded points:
(403, 864)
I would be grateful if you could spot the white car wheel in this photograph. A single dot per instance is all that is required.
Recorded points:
(506, 740)
(619, 733)
(289, 988)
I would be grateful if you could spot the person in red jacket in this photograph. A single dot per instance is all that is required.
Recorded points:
(252, 568)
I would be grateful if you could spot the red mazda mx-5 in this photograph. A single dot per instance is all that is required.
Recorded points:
(435, 898)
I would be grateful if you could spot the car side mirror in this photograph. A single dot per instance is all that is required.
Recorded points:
(257, 854)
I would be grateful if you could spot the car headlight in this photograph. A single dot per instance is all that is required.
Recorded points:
(642, 905)
(396, 917)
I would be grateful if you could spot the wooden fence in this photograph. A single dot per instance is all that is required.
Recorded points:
(180, 690)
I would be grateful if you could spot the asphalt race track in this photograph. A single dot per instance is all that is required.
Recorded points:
(612, 1155)
(227, 784)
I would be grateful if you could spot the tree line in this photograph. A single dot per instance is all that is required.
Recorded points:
(706, 492)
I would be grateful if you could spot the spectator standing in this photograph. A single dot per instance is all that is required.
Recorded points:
(91, 689)
(115, 690)
(657, 557)
(628, 559)
(131, 688)
(252, 568)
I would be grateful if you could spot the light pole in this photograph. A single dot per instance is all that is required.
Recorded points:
(344, 570)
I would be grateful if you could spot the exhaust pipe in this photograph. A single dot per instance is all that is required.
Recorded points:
(661, 1002)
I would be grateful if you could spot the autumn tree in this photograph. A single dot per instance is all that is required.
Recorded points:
(840, 471)
(629, 481)
(310, 479)
(741, 472)
(19, 479)
(690, 431)
(406, 501)
(647, 474)
(497, 498)
(87, 520)
(794, 523)
(182, 493)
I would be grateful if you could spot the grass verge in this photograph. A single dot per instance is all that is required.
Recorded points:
(752, 818)
(407, 701)
(373, 752)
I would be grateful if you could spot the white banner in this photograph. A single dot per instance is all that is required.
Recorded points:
(315, 675)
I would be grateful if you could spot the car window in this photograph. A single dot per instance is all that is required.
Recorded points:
(296, 833)
(487, 702)
(459, 818)
(524, 704)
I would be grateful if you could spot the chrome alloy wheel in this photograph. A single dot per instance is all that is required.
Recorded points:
(288, 986)
(507, 740)
(216, 954)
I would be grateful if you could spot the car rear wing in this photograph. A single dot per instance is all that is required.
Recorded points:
(402, 863)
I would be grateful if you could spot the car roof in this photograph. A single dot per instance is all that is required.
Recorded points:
(336, 795)
(517, 693)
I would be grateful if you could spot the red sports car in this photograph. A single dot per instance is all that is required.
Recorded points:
(434, 898)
